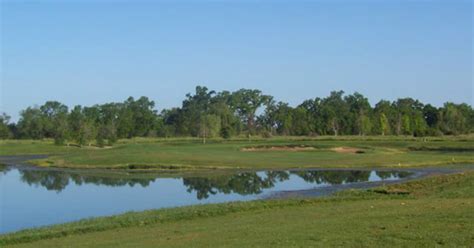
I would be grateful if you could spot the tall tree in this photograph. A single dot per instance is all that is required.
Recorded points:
(195, 108)
(335, 112)
(246, 102)
(360, 113)
(54, 119)
(31, 124)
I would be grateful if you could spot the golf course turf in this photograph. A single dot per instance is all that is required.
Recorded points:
(275, 153)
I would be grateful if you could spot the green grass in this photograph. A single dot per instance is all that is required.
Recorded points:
(189, 154)
(431, 212)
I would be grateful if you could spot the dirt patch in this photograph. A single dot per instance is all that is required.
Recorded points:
(343, 149)
(278, 148)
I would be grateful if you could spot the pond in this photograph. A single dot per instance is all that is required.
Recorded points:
(32, 197)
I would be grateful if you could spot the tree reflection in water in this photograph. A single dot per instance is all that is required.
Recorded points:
(59, 180)
(334, 177)
(244, 183)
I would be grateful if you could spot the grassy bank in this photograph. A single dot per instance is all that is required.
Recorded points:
(427, 212)
(280, 152)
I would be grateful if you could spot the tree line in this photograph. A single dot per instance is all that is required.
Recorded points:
(207, 114)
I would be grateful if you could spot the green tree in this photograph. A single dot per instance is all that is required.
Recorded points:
(194, 110)
(5, 132)
(62, 130)
(384, 124)
(31, 125)
(246, 102)
(419, 124)
(82, 125)
(335, 113)
(144, 115)
(106, 133)
(360, 112)
(209, 126)
(53, 114)
(314, 115)
(452, 119)
(300, 122)
(406, 125)
(87, 133)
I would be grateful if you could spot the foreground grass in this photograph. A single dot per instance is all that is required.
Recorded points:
(189, 154)
(428, 212)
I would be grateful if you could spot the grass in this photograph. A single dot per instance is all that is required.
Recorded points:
(430, 212)
(190, 154)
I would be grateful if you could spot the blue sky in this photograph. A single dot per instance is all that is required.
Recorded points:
(87, 52)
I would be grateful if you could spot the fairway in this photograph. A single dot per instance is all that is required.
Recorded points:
(276, 153)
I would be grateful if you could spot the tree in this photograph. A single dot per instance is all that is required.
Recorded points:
(31, 124)
(452, 119)
(209, 126)
(107, 127)
(335, 113)
(405, 125)
(61, 131)
(106, 132)
(194, 110)
(431, 115)
(246, 102)
(221, 106)
(360, 111)
(125, 122)
(144, 115)
(384, 124)
(385, 118)
(83, 126)
(5, 132)
(87, 133)
(278, 117)
(409, 112)
(53, 114)
(75, 120)
(419, 124)
(300, 123)
(315, 119)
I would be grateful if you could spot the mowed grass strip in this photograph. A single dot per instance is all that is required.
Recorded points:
(436, 211)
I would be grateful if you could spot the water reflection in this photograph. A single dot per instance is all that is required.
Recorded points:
(392, 174)
(32, 197)
(244, 183)
(59, 180)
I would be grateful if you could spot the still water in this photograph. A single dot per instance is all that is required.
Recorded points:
(31, 197)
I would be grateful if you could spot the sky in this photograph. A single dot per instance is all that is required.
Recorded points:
(91, 52)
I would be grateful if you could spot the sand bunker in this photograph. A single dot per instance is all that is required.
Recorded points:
(278, 148)
(347, 150)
